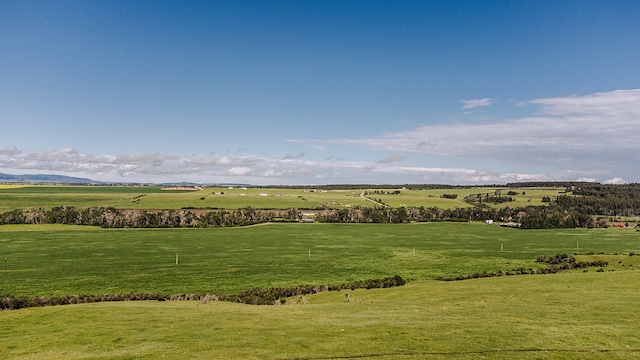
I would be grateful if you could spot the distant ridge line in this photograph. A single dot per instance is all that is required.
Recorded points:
(45, 178)
(63, 179)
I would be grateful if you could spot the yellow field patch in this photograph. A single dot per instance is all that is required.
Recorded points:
(7, 186)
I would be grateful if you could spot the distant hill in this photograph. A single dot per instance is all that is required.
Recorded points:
(45, 178)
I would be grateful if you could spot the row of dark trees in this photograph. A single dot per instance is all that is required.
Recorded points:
(599, 199)
(529, 217)
(595, 199)
(583, 205)
(482, 199)
(114, 218)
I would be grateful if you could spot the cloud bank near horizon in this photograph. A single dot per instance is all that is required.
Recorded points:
(159, 167)
(590, 137)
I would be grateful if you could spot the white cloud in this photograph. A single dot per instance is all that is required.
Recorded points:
(238, 171)
(591, 134)
(616, 104)
(392, 158)
(472, 104)
(616, 180)
(292, 157)
(158, 167)
(575, 137)
(9, 151)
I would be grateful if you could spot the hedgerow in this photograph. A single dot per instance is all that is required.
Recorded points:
(560, 262)
(256, 296)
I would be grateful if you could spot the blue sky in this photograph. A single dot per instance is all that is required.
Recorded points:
(321, 92)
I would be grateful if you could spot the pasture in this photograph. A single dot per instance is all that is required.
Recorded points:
(153, 197)
(561, 316)
(56, 260)
(434, 197)
(571, 315)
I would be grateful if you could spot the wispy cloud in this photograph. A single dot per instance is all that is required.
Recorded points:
(9, 151)
(292, 157)
(474, 103)
(596, 133)
(392, 159)
(260, 170)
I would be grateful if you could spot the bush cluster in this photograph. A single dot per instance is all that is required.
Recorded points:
(555, 263)
(20, 302)
(270, 296)
(568, 262)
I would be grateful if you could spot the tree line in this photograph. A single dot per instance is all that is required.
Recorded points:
(109, 217)
(602, 199)
(587, 205)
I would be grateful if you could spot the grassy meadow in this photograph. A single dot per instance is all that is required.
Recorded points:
(577, 314)
(56, 260)
(561, 316)
(153, 197)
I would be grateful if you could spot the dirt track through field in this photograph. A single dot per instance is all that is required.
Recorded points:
(371, 200)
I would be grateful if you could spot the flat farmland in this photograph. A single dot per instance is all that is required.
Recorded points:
(426, 198)
(152, 197)
(46, 196)
(527, 196)
(258, 198)
(434, 198)
(57, 260)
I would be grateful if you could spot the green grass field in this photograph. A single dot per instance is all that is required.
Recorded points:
(53, 260)
(562, 316)
(571, 315)
(151, 197)
(433, 198)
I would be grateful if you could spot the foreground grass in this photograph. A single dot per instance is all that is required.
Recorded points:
(561, 316)
(569, 315)
(58, 260)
